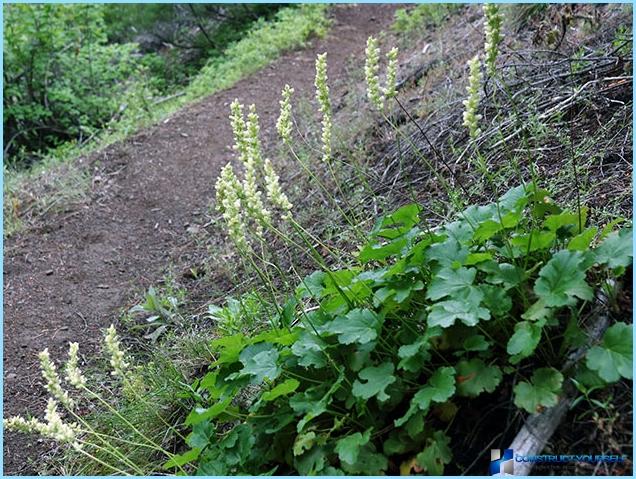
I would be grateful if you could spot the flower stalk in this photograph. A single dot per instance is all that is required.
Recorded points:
(471, 104)
(492, 31)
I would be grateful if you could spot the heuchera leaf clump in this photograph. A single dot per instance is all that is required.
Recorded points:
(426, 319)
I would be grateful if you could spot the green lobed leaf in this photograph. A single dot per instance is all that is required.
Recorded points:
(530, 242)
(439, 387)
(474, 377)
(612, 359)
(451, 282)
(282, 389)
(304, 442)
(398, 222)
(312, 285)
(359, 326)
(199, 414)
(377, 379)
(230, 347)
(260, 361)
(464, 307)
(562, 280)
(476, 342)
(581, 242)
(496, 299)
(503, 274)
(616, 250)
(313, 402)
(566, 219)
(182, 459)
(201, 436)
(537, 311)
(447, 253)
(413, 356)
(436, 454)
(237, 445)
(368, 463)
(308, 348)
(312, 462)
(348, 447)
(542, 391)
(524, 340)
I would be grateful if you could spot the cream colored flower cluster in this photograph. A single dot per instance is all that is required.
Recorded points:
(72, 371)
(53, 426)
(324, 104)
(284, 123)
(377, 95)
(117, 358)
(492, 30)
(53, 384)
(228, 202)
(241, 203)
(471, 104)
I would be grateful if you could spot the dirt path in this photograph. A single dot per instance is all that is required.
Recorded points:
(67, 279)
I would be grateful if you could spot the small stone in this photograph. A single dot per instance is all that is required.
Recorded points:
(49, 272)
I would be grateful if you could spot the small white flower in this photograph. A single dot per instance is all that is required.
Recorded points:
(117, 359)
(274, 191)
(53, 384)
(322, 87)
(492, 30)
(19, 424)
(371, 69)
(471, 118)
(55, 428)
(284, 123)
(73, 374)
(239, 130)
(228, 201)
(391, 74)
(324, 104)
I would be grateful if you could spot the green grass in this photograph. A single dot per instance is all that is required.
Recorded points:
(291, 28)
(155, 410)
(421, 16)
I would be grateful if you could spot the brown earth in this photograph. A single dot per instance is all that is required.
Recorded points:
(66, 278)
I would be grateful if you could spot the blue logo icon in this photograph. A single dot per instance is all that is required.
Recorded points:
(501, 464)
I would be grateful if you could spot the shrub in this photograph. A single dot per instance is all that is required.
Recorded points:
(62, 81)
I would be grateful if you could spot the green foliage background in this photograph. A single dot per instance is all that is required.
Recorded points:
(71, 70)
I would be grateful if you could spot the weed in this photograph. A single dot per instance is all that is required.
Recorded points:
(243, 314)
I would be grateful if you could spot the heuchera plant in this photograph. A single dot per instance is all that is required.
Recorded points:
(370, 363)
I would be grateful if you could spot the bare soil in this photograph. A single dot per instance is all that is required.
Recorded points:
(66, 278)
